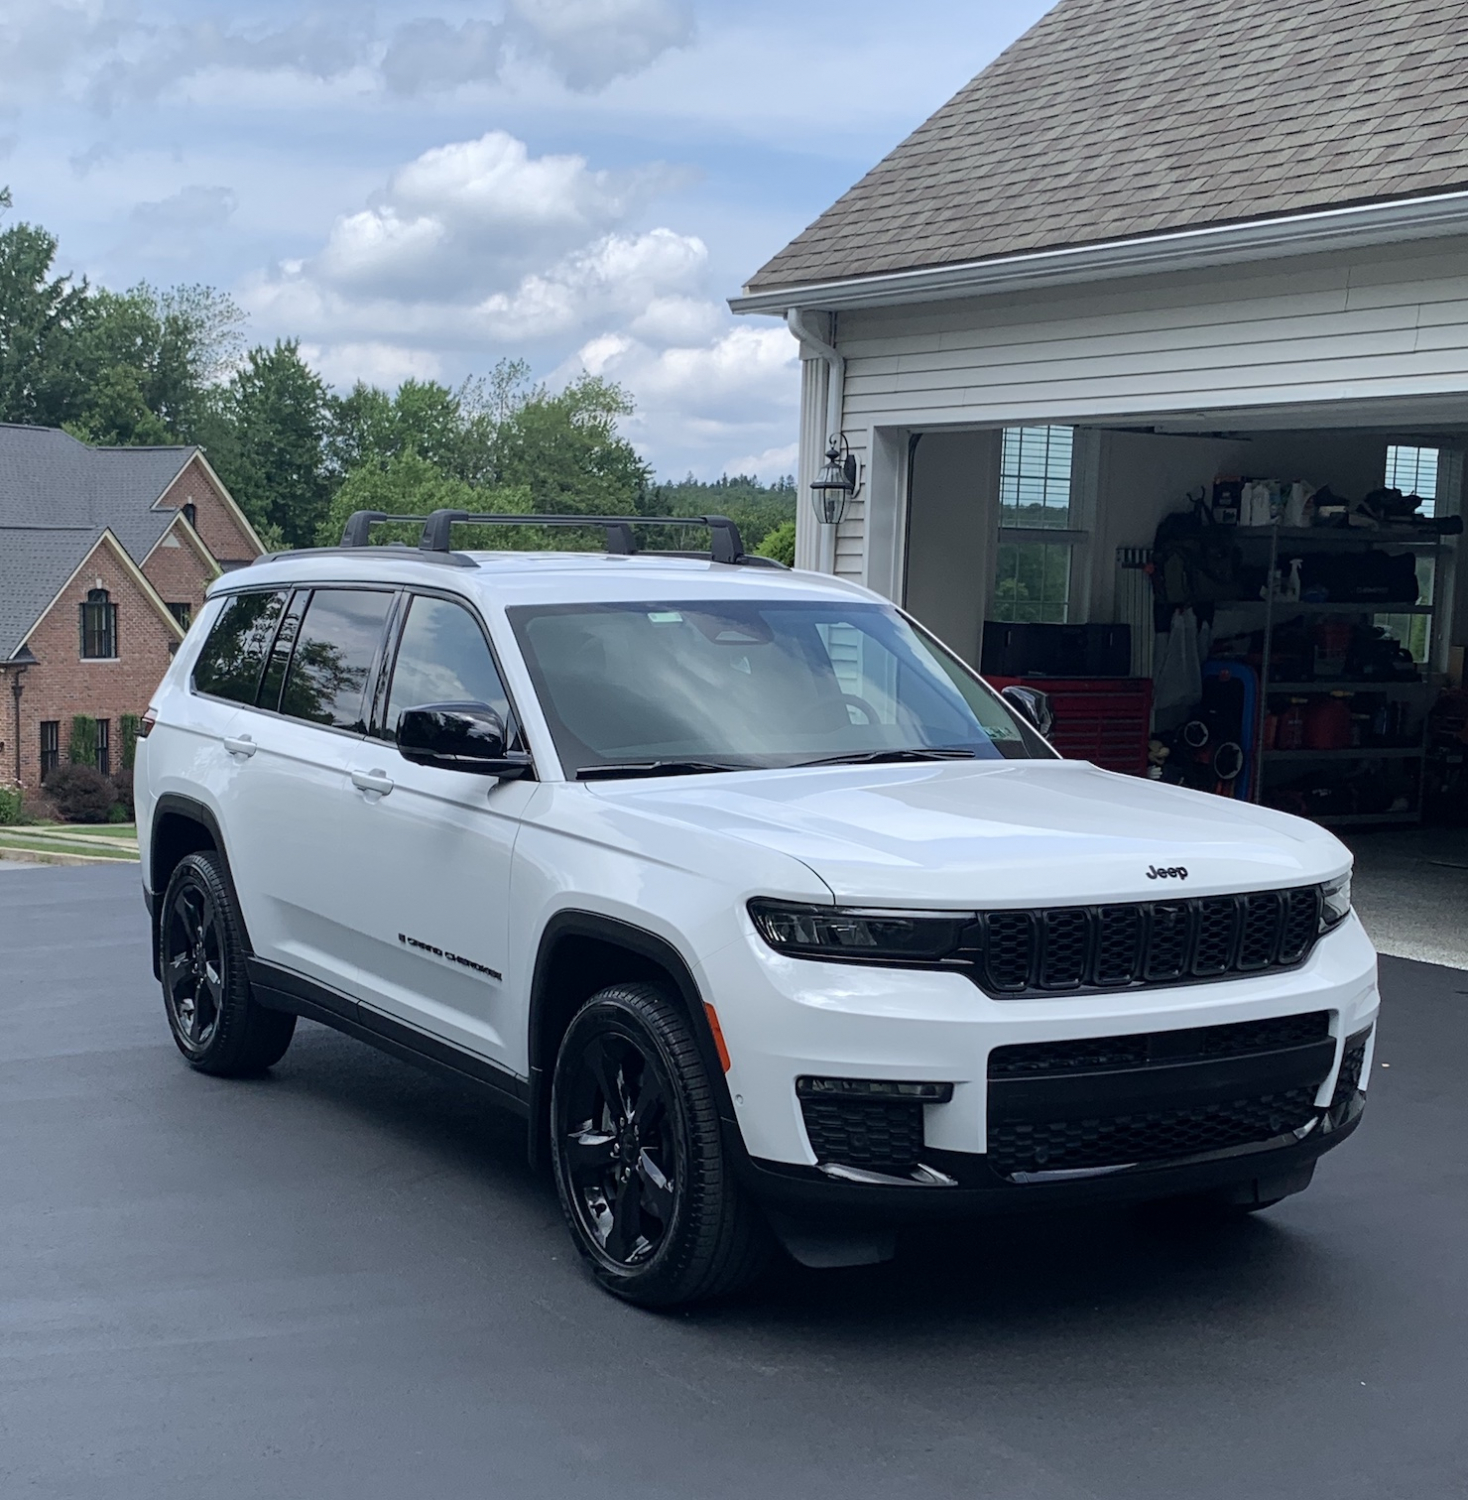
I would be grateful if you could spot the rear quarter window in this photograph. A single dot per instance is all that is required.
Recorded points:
(233, 656)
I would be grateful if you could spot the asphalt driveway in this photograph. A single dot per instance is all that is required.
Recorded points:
(342, 1281)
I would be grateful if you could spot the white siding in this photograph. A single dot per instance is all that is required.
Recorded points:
(1374, 325)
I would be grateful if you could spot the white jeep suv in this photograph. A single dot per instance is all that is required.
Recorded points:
(774, 921)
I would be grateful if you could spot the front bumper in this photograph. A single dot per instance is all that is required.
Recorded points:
(787, 1018)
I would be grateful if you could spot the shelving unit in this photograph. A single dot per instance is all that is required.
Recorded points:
(1286, 542)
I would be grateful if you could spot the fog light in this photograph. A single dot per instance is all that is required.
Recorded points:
(873, 1088)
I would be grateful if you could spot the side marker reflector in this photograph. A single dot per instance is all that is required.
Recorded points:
(718, 1032)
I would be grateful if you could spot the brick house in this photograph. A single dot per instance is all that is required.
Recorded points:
(105, 555)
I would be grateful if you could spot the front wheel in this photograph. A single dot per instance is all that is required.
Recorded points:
(639, 1160)
(215, 1020)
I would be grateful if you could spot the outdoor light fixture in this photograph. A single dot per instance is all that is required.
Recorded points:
(838, 482)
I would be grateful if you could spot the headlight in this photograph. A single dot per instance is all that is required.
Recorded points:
(1335, 904)
(834, 932)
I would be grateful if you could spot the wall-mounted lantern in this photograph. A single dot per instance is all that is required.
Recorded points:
(837, 483)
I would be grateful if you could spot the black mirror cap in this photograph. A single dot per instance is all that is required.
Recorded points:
(1033, 705)
(459, 737)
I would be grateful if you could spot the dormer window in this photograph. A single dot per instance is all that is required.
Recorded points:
(99, 626)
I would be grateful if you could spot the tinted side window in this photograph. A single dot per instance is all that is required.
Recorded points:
(336, 646)
(229, 665)
(280, 652)
(444, 658)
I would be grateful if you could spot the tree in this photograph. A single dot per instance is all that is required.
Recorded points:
(40, 318)
(779, 544)
(274, 463)
(566, 452)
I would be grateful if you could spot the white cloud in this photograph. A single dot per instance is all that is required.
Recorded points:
(591, 42)
(111, 52)
(772, 464)
(617, 275)
(388, 365)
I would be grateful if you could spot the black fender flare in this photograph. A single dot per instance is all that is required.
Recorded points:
(647, 945)
(176, 805)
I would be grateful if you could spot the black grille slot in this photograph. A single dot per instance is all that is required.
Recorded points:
(1009, 950)
(1105, 1054)
(1167, 943)
(1118, 944)
(1065, 949)
(1301, 925)
(875, 1134)
(1113, 947)
(1146, 1137)
(1260, 940)
(1218, 926)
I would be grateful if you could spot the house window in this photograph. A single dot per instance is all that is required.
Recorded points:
(104, 746)
(191, 513)
(1037, 530)
(50, 746)
(1414, 471)
(183, 613)
(99, 626)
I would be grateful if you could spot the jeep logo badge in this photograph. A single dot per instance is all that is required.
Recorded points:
(1173, 872)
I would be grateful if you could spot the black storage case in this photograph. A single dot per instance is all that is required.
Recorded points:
(1056, 650)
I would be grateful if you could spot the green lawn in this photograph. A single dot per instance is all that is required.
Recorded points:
(17, 838)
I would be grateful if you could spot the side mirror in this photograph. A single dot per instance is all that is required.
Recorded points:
(1032, 705)
(459, 737)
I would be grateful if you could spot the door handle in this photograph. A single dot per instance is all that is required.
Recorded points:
(372, 781)
(244, 746)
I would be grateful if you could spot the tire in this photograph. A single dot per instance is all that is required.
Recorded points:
(639, 1159)
(213, 1016)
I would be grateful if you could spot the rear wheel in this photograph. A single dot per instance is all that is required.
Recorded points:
(639, 1160)
(214, 1018)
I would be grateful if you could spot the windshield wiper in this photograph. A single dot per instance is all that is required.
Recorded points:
(657, 768)
(892, 757)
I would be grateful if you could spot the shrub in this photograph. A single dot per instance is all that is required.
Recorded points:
(122, 789)
(82, 751)
(82, 794)
(779, 544)
(10, 802)
(128, 726)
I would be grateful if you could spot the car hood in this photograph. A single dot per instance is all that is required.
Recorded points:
(993, 833)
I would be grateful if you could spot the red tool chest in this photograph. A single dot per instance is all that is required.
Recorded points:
(1106, 720)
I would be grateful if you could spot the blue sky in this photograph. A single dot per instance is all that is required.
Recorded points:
(420, 191)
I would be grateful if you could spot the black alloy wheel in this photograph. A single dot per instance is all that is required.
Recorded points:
(214, 1018)
(639, 1159)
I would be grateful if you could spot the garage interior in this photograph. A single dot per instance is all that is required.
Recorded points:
(1265, 612)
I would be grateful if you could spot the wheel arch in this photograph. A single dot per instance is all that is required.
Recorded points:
(580, 953)
(182, 826)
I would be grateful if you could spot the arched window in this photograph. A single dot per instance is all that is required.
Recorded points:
(191, 513)
(99, 626)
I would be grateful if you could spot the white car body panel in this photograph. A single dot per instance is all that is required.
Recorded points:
(328, 877)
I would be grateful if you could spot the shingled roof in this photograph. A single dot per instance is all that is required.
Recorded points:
(1114, 119)
(57, 497)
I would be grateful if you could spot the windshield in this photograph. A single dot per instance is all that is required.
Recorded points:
(741, 684)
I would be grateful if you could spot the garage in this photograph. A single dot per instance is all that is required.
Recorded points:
(1163, 408)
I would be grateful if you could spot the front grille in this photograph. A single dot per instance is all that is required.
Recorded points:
(1146, 1138)
(1074, 948)
(875, 1134)
(1157, 1096)
(1105, 1054)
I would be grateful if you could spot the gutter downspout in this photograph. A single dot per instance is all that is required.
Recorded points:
(795, 319)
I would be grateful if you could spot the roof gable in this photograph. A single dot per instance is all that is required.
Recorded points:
(49, 478)
(1113, 119)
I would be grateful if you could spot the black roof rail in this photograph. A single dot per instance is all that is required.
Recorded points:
(726, 545)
